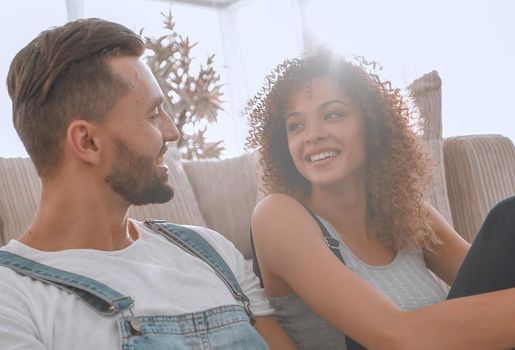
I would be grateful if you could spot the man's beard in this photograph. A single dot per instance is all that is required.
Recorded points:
(135, 179)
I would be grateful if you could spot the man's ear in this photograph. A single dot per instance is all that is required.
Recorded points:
(84, 140)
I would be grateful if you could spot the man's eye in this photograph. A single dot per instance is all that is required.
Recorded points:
(154, 115)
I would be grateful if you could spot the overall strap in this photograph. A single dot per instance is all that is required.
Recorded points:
(193, 243)
(102, 298)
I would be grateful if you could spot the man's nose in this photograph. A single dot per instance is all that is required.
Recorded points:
(169, 129)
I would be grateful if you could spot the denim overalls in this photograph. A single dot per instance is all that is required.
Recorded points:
(224, 327)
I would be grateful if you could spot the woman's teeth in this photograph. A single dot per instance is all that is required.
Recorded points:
(322, 155)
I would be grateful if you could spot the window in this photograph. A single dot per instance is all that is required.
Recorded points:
(20, 22)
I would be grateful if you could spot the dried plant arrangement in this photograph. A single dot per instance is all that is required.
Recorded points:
(194, 99)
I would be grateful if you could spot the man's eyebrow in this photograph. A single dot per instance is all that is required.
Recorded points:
(158, 101)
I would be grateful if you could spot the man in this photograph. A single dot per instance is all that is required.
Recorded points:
(84, 275)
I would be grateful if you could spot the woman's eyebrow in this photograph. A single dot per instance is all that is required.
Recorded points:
(292, 114)
(320, 107)
(330, 102)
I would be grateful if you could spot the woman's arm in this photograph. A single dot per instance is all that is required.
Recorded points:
(274, 335)
(290, 247)
(445, 260)
(484, 321)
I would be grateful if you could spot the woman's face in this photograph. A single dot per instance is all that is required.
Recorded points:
(324, 128)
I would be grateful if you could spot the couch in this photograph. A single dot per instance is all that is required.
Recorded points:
(470, 174)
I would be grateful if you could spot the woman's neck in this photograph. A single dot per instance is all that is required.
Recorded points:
(344, 207)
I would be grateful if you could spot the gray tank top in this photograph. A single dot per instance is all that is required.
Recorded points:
(406, 281)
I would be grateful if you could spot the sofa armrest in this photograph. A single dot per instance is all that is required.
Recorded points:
(480, 171)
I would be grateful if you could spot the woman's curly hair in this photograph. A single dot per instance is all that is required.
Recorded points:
(396, 166)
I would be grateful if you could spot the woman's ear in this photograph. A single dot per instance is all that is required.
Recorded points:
(83, 139)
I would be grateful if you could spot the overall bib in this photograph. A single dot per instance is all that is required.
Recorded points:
(224, 327)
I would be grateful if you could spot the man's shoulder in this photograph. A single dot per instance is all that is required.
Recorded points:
(8, 277)
(15, 287)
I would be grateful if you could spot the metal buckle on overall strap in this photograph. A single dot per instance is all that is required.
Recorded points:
(246, 304)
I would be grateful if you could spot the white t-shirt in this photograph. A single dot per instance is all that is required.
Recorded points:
(160, 277)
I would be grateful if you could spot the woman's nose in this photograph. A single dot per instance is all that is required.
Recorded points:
(315, 133)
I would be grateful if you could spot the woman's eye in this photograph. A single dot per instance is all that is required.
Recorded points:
(294, 127)
(333, 115)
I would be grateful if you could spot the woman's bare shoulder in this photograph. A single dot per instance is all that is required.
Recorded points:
(277, 211)
(277, 201)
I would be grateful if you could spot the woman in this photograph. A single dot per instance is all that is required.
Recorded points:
(344, 177)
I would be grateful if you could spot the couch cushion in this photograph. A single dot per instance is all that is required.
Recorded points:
(183, 208)
(428, 97)
(226, 191)
(20, 190)
(437, 193)
(489, 164)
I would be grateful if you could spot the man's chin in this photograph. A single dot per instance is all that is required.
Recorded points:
(160, 195)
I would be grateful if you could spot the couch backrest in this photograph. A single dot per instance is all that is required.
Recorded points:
(218, 194)
(20, 189)
(221, 194)
(183, 208)
(427, 91)
(471, 173)
(480, 171)
(226, 192)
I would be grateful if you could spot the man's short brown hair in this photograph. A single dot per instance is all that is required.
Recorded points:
(62, 75)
